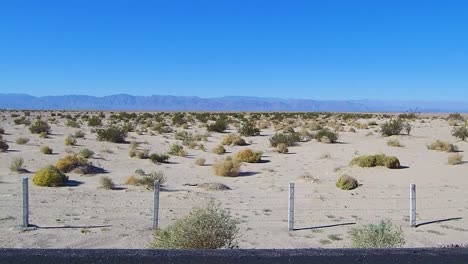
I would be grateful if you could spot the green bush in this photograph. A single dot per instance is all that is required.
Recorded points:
(49, 176)
(106, 183)
(346, 182)
(39, 127)
(46, 150)
(16, 165)
(22, 140)
(112, 134)
(380, 235)
(159, 158)
(290, 139)
(3, 146)
(94, 121)
(390, 162)
(219, 150)
(442, 146)
(219, 126)
(393, 142)
(70, 141)
(394, 127)
(177, 150)
(249, 156)
(247, 129)
(460, 132)
(86, 153)
(210, 227)
(326, 136)
(79, 134)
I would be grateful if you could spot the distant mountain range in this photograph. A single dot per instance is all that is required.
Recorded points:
(228, 103)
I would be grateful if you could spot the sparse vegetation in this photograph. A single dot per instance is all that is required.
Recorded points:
(381, 235)
(394, 127)
(177, 150)
(390, 162)
(282, 148)
(326, 136)
(394, 142)
(86, 153)
(112, 134)
(204, 228)
(46, 150)
(442, 146)
(16, 165)
(159, 158)
(347, 182)
(248, 129)
(227, 167)
(249, 156)
(219, 126)
(106, 183)
(3, 146)
(460, 132)
(39, 127)
(22, 140)
(70, 141)
(232, 139)
(147, 180)
(289, 139)
(49, 176)
(200, 162)
(219, 150)
(455, 159)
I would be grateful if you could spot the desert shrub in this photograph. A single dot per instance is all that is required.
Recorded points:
(200, 162)
(39, 126)
(227, 167)
(86, 153)
(106, 183)
(140, 172)
(112, 134)
(16, 165)
(326, 136)
(43, 135)
(290, 139)
(442, 146)
(248, 129)
(22, 140)
(249, 156)
(232, 139)
(393, 142)
(2, 131)
(49, 176)
(455, 116)
(282, 148)
(381, 235)
(71, 123)
(455, 159)
(219, 126)
(219, 150)
(3, 146)
(352, 130)
(392, 127)
(70, 162)
(390, 162)
(22, 121)
(213, 186)
(46, 150)
(70, 141)
(346, 182)
(210, 227)
(79, 134)
(142, 154)
(177, 150)
(94, 121)
(159, 158)
(460, 132)
(147, 180)
(132, 180)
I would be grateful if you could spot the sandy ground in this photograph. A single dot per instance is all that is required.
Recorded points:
(85, 216)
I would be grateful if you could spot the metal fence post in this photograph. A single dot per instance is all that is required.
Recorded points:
(156, 204)
(412, 205)
(291, 207)
(25, 203)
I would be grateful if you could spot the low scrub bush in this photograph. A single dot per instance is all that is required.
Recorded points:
(227, 167)
(22, 140)
(233, 140)
(249, 156)
(326, 136)
(147, 180)
(200, 162)
(46, 150)
(390, 162)
(381, 235)
(70, 162)
(455, 159)
(247, 129)
(159, 158)
(86, 153)
(219, 126)
(106, 183)
(177, 150)
(282, 148)
(219, 150)
(460, 132)
(49, 176)
(210, 227)
(94, 121)
(289, 139)
(16, 165)
(394, 127)
(70, 141)
(3, 146)
(442, 146)
(346, 182)
(79, 134)
(39, 126)
(393, 142)
(112, 134)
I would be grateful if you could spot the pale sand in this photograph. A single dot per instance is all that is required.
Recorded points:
(122, 218)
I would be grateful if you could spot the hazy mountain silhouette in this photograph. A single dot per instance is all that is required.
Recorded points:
(228, 103)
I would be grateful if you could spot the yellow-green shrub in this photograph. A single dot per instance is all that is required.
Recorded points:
(442, 146)
(228, 167)
(70, 162)
(247, 155)
(390, 162)
(49, 176)
(346, 182)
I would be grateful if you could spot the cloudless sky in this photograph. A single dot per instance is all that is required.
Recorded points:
(291, 49)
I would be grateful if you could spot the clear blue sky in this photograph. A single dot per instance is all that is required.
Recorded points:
(296, 49)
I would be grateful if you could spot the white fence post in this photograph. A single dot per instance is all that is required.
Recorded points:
(156, 204)
(291, 207)
(412, 205)
(25, 203)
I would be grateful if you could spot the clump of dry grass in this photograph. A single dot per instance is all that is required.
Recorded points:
(22, 140)
(219, 150)
(200, 162)
(455, 159)
(394, 142)
(46, 150)
(233, 139)
(228, 167)
(442, 146)
(106, 183)
(213, 186)
(249, 156)
(282, 148)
